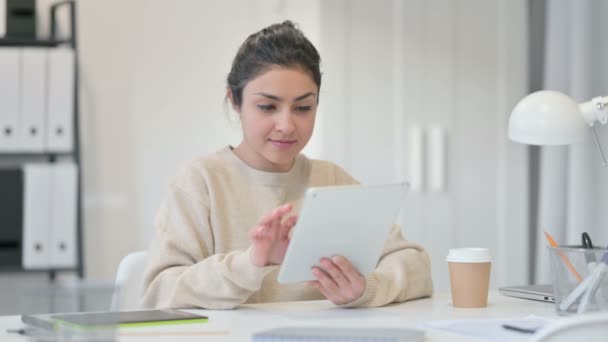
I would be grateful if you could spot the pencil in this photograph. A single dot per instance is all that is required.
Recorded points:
(564, 258)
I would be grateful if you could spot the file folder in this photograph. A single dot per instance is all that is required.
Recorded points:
(2, 18)
(11, 216)
(36, 207)
(63, 253)
(33, 86)
(21, 18)
(9, 98)
(60, 100)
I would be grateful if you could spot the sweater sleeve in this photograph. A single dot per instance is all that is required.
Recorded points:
(182, 270)
(403, 273)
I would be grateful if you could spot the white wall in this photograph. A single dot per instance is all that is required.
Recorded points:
(152, 86)
(460, 66)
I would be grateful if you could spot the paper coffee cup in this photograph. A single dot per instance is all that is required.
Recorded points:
(469, 276)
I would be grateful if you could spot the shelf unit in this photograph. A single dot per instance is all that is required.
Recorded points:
(18, 158)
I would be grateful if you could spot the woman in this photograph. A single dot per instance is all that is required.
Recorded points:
(224, 228)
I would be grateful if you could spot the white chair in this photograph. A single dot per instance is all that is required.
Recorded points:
(129, 281)
(587, 328)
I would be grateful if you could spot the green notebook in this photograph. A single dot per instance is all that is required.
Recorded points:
(124, 319)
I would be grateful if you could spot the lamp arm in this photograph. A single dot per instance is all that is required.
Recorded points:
(599, 147)
(596, 110)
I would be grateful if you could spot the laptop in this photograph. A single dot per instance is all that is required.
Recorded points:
(540, 292)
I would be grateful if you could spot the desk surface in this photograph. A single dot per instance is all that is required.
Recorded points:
(238, 325)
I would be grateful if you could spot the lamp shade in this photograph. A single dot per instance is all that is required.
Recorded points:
(547, 118)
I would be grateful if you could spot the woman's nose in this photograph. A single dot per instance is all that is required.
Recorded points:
(285, 122)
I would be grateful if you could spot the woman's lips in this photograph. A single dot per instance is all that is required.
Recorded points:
(282, 143)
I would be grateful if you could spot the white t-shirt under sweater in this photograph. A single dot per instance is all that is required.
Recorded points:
(200, 255)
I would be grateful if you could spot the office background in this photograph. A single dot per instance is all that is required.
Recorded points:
(572, 184)
(412, 89)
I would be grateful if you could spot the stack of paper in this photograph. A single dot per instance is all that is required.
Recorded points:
(492, 329)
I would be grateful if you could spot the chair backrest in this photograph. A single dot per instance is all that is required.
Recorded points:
(129, 281)
(588, 328)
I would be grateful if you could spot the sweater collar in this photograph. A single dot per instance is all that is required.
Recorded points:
(265, 177)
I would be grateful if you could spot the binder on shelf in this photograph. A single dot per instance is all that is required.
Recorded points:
(21, 18)
(63, 216)
(11, 216)
(36, 208)
(9, 98)
(32, 100)
(60, 100)
(2, 18)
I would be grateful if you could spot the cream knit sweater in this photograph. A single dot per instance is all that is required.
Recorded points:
(200, 256)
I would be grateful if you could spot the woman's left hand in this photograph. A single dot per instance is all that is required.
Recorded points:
(338, 280)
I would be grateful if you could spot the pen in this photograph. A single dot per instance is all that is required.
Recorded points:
(576, 293)
(21, 331)
(593, 285)
(564, 258)
(520, 329)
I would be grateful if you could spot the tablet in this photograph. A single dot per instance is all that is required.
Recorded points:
(123, 319)
(352, 221)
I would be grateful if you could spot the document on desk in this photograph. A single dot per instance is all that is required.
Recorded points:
(492, 329)
(336, 334)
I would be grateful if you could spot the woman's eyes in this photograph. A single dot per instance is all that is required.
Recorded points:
(270, 108)
(303, 108)
(266, 108)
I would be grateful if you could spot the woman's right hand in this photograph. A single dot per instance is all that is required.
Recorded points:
(270, 237)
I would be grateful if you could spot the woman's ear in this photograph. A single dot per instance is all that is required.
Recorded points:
(231, 99)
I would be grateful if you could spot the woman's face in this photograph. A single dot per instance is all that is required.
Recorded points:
(278, 117)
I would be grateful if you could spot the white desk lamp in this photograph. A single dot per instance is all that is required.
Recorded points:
(552, 118)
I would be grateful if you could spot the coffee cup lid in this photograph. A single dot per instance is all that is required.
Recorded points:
(469, 255)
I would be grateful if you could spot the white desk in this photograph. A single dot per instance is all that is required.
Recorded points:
(238, 325)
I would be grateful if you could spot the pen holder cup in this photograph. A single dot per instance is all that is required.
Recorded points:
(580, 279)
(57, 312)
